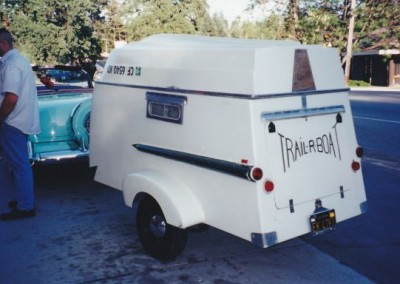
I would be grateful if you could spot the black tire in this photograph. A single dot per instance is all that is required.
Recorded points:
(159, 239)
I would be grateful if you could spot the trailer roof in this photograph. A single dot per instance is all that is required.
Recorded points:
(194, 41)
(238, 67)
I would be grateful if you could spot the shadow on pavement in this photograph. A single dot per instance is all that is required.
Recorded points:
(63, 173)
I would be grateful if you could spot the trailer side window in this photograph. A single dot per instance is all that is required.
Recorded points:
(165, 107)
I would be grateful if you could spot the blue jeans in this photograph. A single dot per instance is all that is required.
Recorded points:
(13, 144)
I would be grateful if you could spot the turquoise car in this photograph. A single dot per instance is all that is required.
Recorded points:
(65, 101)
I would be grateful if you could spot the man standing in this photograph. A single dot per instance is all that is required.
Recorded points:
(19, 117)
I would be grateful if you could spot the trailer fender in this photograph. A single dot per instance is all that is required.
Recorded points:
(180, 206)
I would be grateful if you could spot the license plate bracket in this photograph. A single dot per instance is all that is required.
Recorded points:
(322, 222)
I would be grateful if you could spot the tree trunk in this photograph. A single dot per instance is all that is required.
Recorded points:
(294, 8)
(349, 48)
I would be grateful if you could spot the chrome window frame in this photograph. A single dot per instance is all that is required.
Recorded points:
(167, 101)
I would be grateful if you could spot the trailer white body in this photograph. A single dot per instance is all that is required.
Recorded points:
(193, 121)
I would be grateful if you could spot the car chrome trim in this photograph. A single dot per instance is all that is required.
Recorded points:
(228, 95)
(30, 152)
(235, 169)
(56, 157)
(54, 91)
(303, 112)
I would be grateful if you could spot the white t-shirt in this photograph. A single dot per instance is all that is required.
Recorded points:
(16, 76)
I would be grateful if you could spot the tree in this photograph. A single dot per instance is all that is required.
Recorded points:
(373, 25)
(272, 27)
(58, 31)
(318, 26)
(216, 25)
(349, 48)
(147, 17)
(111, 28)
(246, 29)
(377, 25)
(236, 28)
(292, 20)
(249, 30)
(7, 11)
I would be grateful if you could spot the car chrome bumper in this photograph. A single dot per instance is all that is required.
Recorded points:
(59, 157)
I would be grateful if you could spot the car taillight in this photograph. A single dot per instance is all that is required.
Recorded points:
(269, 186)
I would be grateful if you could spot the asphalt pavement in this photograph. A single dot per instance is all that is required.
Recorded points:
(83, 233)
(370, 243)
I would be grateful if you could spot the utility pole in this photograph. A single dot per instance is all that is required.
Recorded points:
(349, 48)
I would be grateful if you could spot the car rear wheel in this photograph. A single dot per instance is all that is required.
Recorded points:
(80, 121)
(159, 239)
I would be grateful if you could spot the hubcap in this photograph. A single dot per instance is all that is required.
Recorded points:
(158, 227)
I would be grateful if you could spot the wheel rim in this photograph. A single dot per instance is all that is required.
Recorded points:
(158, 226)
(160, 239)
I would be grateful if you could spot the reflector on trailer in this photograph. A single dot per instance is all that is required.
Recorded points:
(269, 186)
(355, 166)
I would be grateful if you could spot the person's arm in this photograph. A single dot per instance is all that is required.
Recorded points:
(7, 106)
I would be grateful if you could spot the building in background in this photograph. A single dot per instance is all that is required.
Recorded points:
(377, 67)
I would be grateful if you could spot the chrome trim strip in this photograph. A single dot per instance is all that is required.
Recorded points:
(227, 95)
(30, 150)
(235, 169)
(304, 112)
(59, 156)
(64, 91)
(166, 98)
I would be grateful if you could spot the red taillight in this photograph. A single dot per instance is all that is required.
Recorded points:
(359, 152)
(269, 186)
(256, 174)
(355, 166)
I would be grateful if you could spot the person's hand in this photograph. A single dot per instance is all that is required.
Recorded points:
(47, 82)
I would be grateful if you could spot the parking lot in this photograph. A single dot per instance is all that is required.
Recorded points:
(84, 234)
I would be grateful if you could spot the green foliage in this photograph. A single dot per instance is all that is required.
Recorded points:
(356, 83)
(326, 22)
(57, 31)
(317, 26)
(216, 25)
(273, 27)
(378, 25)
(147, 17)
(110, 28)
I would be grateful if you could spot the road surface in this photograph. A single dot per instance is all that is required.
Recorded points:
(370, 244)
